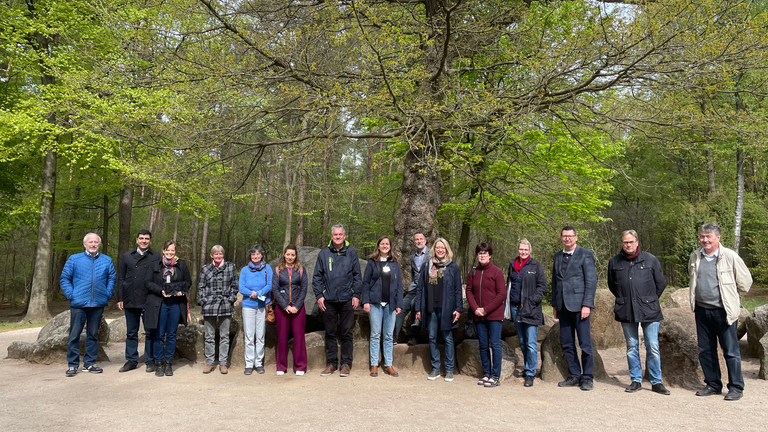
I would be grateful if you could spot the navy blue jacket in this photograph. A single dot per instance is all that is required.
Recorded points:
(528, 289)
(297, 292)
(372, 284)
(452, 298)
(88, 281)
(337, 274)
(637, 285)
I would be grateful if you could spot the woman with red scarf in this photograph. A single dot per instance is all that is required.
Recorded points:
(527, 284)
(168, 285)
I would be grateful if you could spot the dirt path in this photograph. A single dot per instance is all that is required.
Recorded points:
(39, 397)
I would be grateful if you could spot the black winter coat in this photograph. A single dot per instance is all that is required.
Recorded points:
(529, 286)
(134, 268)
(297, 291)
(155, 284)
(637, 285)
(337, 275)
(452, 298)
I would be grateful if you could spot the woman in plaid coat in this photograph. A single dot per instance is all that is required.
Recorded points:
(217, 294)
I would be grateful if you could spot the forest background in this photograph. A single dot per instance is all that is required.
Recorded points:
(268, 121)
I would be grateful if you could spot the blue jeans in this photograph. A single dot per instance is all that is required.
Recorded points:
(652, 356)
(167, 324)
(433, 324)
(132, 317)
(382, 318)
(78, 317)
(490, 331)
(528, 335)
(711, 325)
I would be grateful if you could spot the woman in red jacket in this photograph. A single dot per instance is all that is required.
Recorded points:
(486, 294)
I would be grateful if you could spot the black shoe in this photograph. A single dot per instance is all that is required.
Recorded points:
(528, 381)
(71, 371)
(93, 369)
(413, 341)
(168, 369)
(635, 386)
(159, 369)
(586, 384)
(708, 391)
(260, 369)
(660, 389)
(128, 366)
(569, 382)
(151, 367)
(733, 395)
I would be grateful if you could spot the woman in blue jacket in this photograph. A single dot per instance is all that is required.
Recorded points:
(255, 285)
(382, 300)
(439, 301)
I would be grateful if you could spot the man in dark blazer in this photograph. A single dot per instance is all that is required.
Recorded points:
(418, 258)
(574, 282)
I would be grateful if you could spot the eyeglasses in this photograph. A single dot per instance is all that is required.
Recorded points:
(483, 253)
(568, 236)
(628, 243)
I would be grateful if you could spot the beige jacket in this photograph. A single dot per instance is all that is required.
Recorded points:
(733, 277)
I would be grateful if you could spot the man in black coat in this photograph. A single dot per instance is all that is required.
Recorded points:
(574, 282)
(132, 297)
(635, 278)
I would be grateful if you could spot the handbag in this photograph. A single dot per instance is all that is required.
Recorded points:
(470, 331)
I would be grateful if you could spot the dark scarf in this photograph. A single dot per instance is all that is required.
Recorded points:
(631, 257)
(518, 265)
(168, 266)
(257, 267)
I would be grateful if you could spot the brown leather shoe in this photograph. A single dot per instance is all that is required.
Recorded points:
(344, 372)
(374, 371)
(328, 371)
(209, 368)
(223, 369)
(389, 370)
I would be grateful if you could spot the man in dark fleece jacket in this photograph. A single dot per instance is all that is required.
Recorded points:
(337, 285)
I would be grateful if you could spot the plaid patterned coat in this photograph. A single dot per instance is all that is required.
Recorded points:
(217, 289)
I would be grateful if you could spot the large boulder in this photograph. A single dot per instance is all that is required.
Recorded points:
(544, 329)
(190, 342)
(468, 359)
(679, 349)
(757, 327)
(606, 331)
(554, 368)
(118, 331)
(741, 328)
(680, 299)
(51, 344)
(308, 257)
(763, 374)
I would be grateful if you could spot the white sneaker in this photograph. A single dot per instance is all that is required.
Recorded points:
(299, 373)
(279, 373)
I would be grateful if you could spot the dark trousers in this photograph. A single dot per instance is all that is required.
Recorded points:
(335, 312)
(132, 317)
(711, 325)
(90, 318)
(572, 325)
(409, 305)
(164, 336)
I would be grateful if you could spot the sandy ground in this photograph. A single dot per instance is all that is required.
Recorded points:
(39, 397)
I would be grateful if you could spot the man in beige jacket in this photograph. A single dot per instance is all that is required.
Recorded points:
(717, 274)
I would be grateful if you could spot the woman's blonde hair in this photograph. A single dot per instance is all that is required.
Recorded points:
(448, 251)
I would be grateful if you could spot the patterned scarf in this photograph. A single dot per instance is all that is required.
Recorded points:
(168, 265)
(256, 267)
(438, 269)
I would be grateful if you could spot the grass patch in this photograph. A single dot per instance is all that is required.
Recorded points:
(753, 302)
(18, 325)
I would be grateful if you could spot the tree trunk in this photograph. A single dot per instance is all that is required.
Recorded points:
(125, 212)
(711, 188)
(194, 268)
(176, 221)
(37, 309)
(290, 181)
(203, 259)
(739, 198)
(300, 210)
(271, 196)
(326, 194)
(105, 231)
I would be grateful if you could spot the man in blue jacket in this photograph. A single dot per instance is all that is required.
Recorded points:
(574, 282)
(337, 286)
(88, 281)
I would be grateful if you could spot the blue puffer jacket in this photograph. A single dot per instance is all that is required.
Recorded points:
(88, 281)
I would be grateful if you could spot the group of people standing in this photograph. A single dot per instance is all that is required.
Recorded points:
(154, 287)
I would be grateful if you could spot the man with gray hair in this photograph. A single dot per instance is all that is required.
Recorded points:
(635, 278)
(217, 293)
(88, 282)
(337, 285)
(717, 276)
